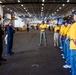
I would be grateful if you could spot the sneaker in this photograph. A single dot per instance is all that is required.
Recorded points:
(63, 57)
(60, 47)
(66, 66)
(61, 54)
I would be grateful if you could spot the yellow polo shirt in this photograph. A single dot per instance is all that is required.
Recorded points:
(43, 27)
(56, 28)
(73, 36)
(66, 30)
(62, 30)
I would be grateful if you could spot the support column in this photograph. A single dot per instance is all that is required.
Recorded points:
(13, 21)
(1, 15)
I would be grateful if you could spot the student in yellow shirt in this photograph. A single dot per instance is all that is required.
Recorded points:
(65, 44)
(73, 44)
(68, 51)
(56, 35)
(61, 36)
(42, 28)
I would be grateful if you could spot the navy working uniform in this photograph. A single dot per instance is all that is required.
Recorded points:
(10, 32)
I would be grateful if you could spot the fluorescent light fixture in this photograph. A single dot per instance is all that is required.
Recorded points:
(68, 0)
(11, 10)
(0, 1)
(18, 0)
(24, 8)
(41, 10)
(43, 0)
(42, 4)
(57, 10)
(22, 5)
(63, 5)
(7, 8)
(42, 7)
(59, 7)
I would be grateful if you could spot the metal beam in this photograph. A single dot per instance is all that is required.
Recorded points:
(38, 3)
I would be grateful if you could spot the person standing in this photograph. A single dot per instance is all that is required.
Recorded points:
(68, 51)
(62, 28)
(10, 32)
(42, 28)
(56, 35)
(28, 28)
(1, 44)
(65, 44)
(73, 44)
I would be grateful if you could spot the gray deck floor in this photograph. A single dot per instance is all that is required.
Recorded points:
(30, 59)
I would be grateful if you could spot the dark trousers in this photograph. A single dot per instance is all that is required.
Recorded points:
(1, 48)
(9, 47)
(27, 29)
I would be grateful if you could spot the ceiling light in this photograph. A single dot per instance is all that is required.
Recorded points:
(59, 7)
(68, 0)
(42, 7)
(41, 10)
(18, 0)
(43, 0)
(42, 4)
(63, 5)
(0, 1)
(11, 10)
(22, 5)
(24, 8)
(7, 8)
(57, 10)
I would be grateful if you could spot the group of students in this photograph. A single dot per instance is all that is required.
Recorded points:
(65, 39)
(9, 41)
(66, 34)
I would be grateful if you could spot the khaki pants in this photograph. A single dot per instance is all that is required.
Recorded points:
(56, 39)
